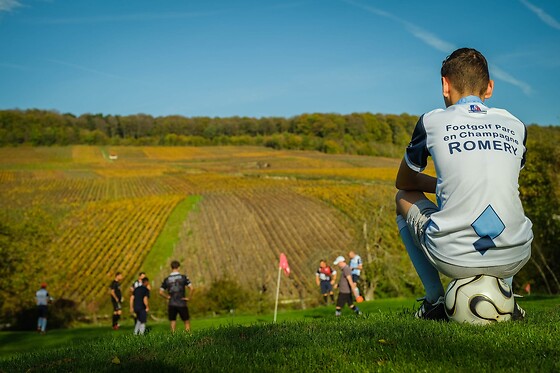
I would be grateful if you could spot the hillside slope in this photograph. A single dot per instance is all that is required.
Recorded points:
(255, 203)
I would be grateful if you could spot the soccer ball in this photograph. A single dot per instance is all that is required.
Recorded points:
(479, 300)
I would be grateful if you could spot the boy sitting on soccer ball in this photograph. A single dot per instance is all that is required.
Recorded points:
(478, 226)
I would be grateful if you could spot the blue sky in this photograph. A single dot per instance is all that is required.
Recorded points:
(271, 58)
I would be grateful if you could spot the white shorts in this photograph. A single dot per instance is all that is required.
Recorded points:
(417, 220)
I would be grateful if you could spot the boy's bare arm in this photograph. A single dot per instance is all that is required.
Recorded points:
(408, 179)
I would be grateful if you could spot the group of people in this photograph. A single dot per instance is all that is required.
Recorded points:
(348, 290)
(173, 289)
(139, 301)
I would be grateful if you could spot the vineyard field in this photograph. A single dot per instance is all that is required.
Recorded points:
(253, 204)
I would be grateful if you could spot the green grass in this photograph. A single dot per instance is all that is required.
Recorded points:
(165, 244)
(386, 338)
(23, 342)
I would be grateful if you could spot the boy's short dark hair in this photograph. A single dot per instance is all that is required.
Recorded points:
(467, 69)
(145, 279)
(175, 264)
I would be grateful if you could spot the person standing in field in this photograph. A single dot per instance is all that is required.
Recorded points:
(137, 284)
(356, 266)
(139, 305)
(345, 287)
(173, 289)
(43, 300)
(116, 299)
(478, 226)
(325, 278)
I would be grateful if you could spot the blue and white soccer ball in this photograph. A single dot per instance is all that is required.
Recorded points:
(479, 300)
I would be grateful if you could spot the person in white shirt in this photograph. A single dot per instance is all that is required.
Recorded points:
(478, 225)
(356, 265)
(43, 300)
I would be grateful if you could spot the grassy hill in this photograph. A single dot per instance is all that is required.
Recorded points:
(224, 212)
(386, 338)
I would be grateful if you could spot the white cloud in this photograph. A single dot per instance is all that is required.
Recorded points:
(9, 5)
(441, 45)
(545, 17)
(418, 32)
(430, 39)
(505, 77)
(373, 10)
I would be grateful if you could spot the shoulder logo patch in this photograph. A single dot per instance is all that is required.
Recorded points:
(476, 109)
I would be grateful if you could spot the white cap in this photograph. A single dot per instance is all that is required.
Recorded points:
(339, 259)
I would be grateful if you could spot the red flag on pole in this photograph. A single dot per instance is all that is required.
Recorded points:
(286, 267)
(284, 264)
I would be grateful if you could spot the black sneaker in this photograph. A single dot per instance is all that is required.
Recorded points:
(518, 313)
(432, 311)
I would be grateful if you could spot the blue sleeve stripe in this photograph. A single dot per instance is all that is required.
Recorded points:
(413, 166)
(417, 153)
(524, 146)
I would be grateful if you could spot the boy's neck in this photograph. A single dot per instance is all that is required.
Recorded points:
(469, 99)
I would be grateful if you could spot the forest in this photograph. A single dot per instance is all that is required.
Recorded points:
(357, 133)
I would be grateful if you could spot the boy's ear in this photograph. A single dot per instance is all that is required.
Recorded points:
(489, 89)
(445, 87)
(446, 91)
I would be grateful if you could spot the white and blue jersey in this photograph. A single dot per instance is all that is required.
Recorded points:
(355, 263)
(43, 298)
(477, 153)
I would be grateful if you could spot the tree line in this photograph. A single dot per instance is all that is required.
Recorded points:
(356, 133)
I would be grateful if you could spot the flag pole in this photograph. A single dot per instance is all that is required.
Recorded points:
(277, 293)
